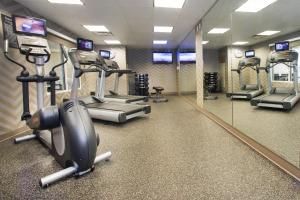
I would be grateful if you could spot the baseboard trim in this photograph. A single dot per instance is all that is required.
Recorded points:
(259, 148)
(11, 134)
(188, 93)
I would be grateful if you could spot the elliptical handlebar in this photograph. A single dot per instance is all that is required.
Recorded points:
(33, 61)
(8, 58)
(66, 58)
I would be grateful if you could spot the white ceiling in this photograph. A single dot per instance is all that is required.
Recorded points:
(130, 21)
(282, 15)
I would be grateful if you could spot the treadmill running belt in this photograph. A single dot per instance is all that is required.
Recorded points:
(129, 97)
(127, 108)
(275, 98)
(243, 91)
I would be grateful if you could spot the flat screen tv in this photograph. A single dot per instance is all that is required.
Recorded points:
(187, 57)
(250, 54)
(282, 46)
(29, 25)
(162, 57)
(85, 45)
(104, 54)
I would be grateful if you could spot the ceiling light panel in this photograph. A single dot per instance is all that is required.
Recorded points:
(160, 42)
(218, 30)
(169, 3)
(94, 28)
(205, 42)
(267, 33)
(163, 29)
(240, 43)
(112, 41)
(254, 5)
(76, 2)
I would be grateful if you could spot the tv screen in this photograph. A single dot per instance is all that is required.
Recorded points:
(282, 46)
(85, 45)
(250, 54)
(105, 54)
(29, 26)
(162, 57)
(187, 57)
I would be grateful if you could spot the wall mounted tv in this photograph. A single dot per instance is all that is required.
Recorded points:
(282, 46)
(105, 54)
(84, 44)
(162, 57)
(29, 25)
(187, 57)
(250, 54)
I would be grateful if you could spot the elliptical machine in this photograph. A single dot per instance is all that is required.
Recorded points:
(66, 130)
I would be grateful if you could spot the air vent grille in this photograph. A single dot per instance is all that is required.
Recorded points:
(104, 33)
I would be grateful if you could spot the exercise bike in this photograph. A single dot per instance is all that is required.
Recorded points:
(66, 130)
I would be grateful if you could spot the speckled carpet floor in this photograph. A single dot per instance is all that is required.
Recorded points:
(175, 153)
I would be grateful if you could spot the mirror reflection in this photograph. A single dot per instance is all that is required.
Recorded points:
(251, 71)
(216, 42)
(265, 94)
(186, 57)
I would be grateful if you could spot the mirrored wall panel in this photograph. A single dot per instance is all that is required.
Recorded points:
(186, 58)
(265, 65)
(216, 29)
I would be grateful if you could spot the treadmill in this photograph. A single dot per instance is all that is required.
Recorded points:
(97, 106)
(247, 92)
(114, 95)
(280, 98)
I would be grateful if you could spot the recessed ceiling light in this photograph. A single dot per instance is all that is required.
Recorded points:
(240, 43)
(94, 28)
(112, 41)
(267, 33)
(160, 42)
(169, 3)
(218, 30)
(205, 42)
(78, 2)
(163, 29)
(254, 5)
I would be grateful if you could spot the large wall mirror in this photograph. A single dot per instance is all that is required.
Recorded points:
(269, 121)
(251, 71)
(186, 58)
(216, 40)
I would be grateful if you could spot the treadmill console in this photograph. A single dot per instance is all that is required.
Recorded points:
(30, 35)
(84, 57)
(253, 61)
(283, 56)
(84, 54)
